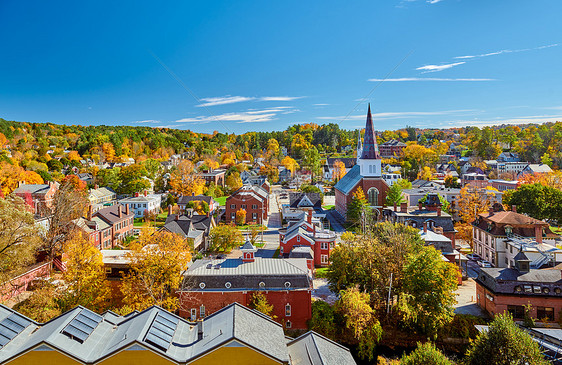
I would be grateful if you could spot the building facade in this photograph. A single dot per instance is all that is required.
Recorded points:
(253, 199)
(142, 204)
(120, 219)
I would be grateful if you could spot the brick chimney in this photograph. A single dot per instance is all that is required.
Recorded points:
(424, 227)
(127, 210)
(404, 207)
(420, 205)
(538, 234)
(136, 195)
(514, 208)
(90, 212)
(314, 230)
(395, 207)
(177, 217)
(309, 217)
(439, 211)
(119, 211)
(145, 193)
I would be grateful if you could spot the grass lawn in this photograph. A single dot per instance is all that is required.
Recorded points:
(247, 227)
(328, 207)
(221, 200)
(557, 230)
(322, 272)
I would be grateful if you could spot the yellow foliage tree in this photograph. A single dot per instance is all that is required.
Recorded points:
(84, 276)
(74, 156)
(290, 164)
(425, 173)
(240, 216)
(157, 261)
(338, 171)
(108, 151)
(186, 181)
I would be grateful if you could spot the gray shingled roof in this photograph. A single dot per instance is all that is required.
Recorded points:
(350, 180)
(314, 349)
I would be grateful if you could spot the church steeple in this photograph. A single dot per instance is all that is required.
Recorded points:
(370, 147)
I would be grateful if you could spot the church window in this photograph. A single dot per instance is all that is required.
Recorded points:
(373, 196)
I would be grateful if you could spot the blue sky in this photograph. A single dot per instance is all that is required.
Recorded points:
(237, 66)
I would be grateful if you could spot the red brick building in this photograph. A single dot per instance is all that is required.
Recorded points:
(42, 196)
(309, 233)
(214, 176)
(253, 199)
(120, 220)
(211, 285)
(392, 148)
(501, 290)
(367, 174)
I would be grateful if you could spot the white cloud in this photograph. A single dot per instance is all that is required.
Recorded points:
(436, 68)
(429, 79)
(539, 119)
(398, 115)
(146, 121)
(250, 116)
(321, 104)
(222, 100)
(433, 1)
(506, 51)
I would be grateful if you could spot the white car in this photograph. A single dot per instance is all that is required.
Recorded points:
(484, 263)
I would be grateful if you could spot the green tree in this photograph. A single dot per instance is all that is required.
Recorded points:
(428, 290)
(425, 353)
(504, 343)
(225, 237)
(323, 319)
(394, 195)
(358, 207)
(537, 200)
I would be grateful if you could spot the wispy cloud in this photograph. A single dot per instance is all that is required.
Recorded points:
(222, 100)
(436, 68)
(503, 51)
(146, 121)
(539, 119)
(402, 79)
(433, 1)
(398, 115)
(250, 116)
(321, 104)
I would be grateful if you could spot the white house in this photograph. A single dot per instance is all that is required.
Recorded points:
(138, 204)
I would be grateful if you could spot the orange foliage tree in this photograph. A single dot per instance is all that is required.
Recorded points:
(338, 171)
(186, 181)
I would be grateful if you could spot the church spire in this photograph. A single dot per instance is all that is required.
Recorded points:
(370, 146)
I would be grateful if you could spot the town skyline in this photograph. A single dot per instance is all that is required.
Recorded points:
(249, 67)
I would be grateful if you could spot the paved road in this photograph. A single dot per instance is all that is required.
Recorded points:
(466, 299)
(336, 220)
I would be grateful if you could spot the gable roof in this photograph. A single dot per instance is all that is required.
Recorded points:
(350, 180)
(111, 214)
(313, 348)
(313, 200)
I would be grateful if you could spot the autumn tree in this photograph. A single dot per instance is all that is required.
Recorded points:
(84, 276)
(240, 216)
(361, 319)
(224, 238)
(290, 164)
(19, 237)
(75, 181)
(358, 208)
(157, 262)
(42, 305)
(185, 180)
(270, 171)
(233, 180)
(258, 301)
(338, 170)
(504, 343)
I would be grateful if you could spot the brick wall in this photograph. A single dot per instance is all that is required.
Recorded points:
(20, 283)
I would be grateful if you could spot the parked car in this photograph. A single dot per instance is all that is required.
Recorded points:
(484, 263)
(473, 257)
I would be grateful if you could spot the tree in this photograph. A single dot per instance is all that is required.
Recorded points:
(338, 171)
(84, 276)
(75, 181)
(290, 164)
(403, 183)
(425, 353)
(258, 301)
(358, 207)
(157, 262)
(537, 200)
(361, 319)
(224, 238)
(185, 181)
(42, 305)
(394, 195)
(504, 343)
(428, 290)
(19, 237)
(311, 159)
(323, 319)
(240, 217)
(233, 180)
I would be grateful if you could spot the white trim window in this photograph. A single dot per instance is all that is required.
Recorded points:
(193, 314)
(324, 259)
(202, 311)
(287, 310)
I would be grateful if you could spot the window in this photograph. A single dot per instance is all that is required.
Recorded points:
(288, 324)
(254, 206)
(202, 311)
(324, 259)
(545, 313)
(287, 310)
(254, 216)
(193, 314)
(298, 238)
(232, 215)
(373, 196)
(517, 311)
(324, 245)
(243, 206)
(232, 206)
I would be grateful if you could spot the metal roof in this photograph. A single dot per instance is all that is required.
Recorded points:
(350, 180)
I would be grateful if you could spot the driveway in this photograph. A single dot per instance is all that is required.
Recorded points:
(466, 299)
(321, 291)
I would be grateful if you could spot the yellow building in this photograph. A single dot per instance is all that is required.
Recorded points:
(234, 335)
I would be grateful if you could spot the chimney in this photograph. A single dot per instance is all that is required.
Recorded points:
(176, 217)
(314, 231)
(90, 212)
(309, 217)
(169, 209)
(514, 208)
(404, 207)
(395, 207)
(538, 234)
(439, 211)
(119, 211)
(420, 205)
(145, 193)
(127, 209)
(424, 227)
(136, 195)
(96, 186)
(200, 330)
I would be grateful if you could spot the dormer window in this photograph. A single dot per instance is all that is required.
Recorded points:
(508, 230)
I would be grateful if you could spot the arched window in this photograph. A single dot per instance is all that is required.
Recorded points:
(373, 196)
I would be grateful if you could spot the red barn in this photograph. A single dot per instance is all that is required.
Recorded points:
(211, 285)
